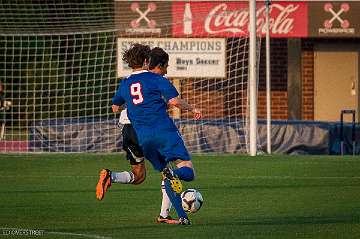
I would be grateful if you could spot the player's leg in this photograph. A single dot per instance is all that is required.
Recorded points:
(174, 150)
(165, 202)
(186, 172)
(135, 176)
(132, 147)
(175, 199)
(173, 189)
(164, 216)
(150, 145)
(136, 158)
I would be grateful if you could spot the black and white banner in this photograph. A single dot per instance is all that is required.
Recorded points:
(189, 57)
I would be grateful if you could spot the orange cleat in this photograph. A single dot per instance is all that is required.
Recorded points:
(167, 220)
(103, 184)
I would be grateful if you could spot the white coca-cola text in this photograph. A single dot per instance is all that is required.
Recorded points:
(220, 19)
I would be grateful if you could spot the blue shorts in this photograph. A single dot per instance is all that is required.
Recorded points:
(161, 146)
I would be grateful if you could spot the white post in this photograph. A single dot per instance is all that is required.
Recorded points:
(268, 82)
(2, 129)
(252, 77)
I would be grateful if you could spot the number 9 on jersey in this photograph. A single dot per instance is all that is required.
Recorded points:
(135, 91)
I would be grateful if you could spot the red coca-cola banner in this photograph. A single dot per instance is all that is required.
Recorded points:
(230, 19)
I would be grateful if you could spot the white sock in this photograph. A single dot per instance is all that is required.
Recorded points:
(165, 204)
(122, 177)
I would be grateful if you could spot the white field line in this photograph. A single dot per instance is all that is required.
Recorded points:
(27, 232)
(78, 235)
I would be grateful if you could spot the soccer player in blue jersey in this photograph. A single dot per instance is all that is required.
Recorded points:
(146, 95)
(159, 58)
(134, 154)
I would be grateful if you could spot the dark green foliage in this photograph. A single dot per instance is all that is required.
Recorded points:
(58, 76)
(57, 58)
(54, 16)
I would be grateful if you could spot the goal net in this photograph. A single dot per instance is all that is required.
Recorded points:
(61, 65)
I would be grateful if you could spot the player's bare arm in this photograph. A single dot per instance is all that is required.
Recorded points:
(182, 104)
(115, 108)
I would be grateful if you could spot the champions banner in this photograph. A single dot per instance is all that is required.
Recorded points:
(189, 57)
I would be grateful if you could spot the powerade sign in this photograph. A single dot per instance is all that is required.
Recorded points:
(140, 18)
(334, 19)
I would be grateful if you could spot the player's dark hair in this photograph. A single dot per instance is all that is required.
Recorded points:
(158, 57)
(136, 55)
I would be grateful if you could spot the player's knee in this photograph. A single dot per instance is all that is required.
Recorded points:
(185, 173)
(184, 163)
(190, 175)
(185, 170)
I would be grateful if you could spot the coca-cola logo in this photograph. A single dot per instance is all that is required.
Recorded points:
(230, 18)
(221, 19)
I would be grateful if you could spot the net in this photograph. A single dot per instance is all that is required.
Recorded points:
(60, 66)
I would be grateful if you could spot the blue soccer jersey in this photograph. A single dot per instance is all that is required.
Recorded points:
(146, 95)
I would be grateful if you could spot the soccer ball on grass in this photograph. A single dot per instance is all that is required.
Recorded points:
(191, 200)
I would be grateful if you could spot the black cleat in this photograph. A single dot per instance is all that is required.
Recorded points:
(184, 221)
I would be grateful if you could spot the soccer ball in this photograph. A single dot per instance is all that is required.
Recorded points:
(191, 200)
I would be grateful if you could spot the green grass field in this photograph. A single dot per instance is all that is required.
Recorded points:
(244, 197)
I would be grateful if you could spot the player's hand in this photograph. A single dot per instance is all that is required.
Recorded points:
(115, 108)
(197, 114)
